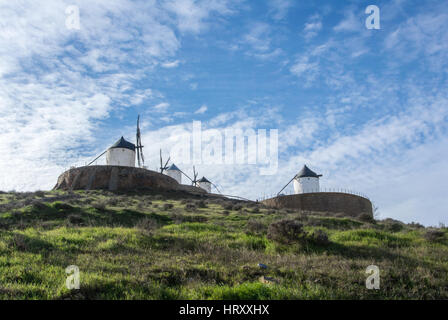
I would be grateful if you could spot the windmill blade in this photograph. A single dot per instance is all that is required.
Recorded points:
(195, 175)
(286, 185)
(186, 175)
(216, 187)
(138, 157)
(141, 156)
(166, 163)
(139, 147)
(161, 163)
(96, 158)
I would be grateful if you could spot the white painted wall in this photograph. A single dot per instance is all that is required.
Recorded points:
(120, 157)
(306, 185)
(176, 175)
(207, 186)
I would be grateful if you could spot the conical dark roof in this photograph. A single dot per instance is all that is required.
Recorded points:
(307, 172)
(122, 143)
(173, 167)
(203, 179)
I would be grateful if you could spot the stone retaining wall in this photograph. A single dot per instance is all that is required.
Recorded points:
(333, 202)
(116, 178)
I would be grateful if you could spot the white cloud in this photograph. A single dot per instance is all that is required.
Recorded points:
(280, 8)
(424, 34)
(303, 65)
(350, 23)
(161, 107)
(312, 27)
(201, 110)
(258, 37)
(171, 64)
(192, 16)
(258, 41)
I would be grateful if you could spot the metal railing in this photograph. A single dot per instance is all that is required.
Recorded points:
(321, 190)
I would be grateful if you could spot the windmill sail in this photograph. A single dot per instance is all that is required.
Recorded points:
(194, 182)
(163, 167)
(139, 147)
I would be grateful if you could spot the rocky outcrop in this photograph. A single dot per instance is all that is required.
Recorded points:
(116, 178)
(333, 202)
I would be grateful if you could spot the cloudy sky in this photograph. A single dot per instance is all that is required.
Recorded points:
(367, 108)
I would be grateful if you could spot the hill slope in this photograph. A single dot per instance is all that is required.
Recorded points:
(147, 246)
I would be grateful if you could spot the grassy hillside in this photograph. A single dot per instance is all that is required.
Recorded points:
(145, 246)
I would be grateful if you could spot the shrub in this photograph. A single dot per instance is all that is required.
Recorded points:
(6, 207)
(19, 242)
(255, 226)
(16, 213)
(99, 205)
(434, 235)
(39, 193)
(228, 206)
(180, 218)
(87, 201)
(365, 217)
(62, 206)
(113, 201)
(394, 227)
(39, 206)
(140, 206)
(201, 204)
(319, 237)
(168, 206)
(237, 207)
(416, 225)
(286, 231)
(256, 210)
(225, 212)
(75, 219)
(148, 225)
(190, 207)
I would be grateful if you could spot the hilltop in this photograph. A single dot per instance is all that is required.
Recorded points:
(175, 246)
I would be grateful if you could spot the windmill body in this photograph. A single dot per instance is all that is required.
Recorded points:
(306, 181)
(205, 184)
(121, 153)
(174, 172)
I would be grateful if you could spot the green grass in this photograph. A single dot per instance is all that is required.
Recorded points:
(131, 246)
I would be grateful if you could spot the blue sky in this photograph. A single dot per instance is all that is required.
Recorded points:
(366, 108)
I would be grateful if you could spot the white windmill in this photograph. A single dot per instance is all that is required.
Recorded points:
(205, 184)
(174, 172)
(306, 181)
(121, 153)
